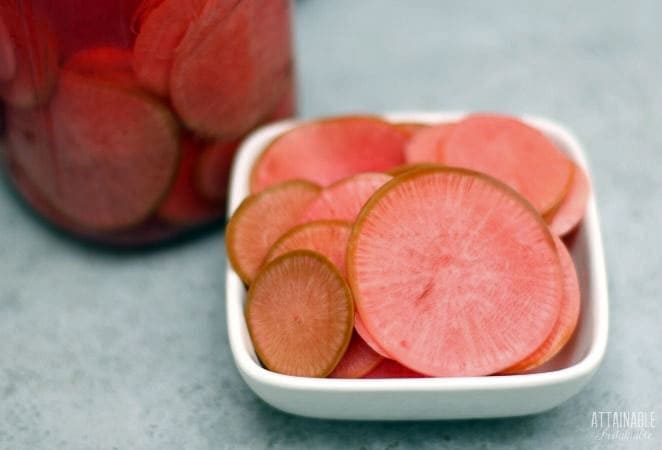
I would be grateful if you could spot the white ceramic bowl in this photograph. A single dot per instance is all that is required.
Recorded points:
(432, 398)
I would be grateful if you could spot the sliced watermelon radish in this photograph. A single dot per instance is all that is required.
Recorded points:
(427, 144)
(453, 273)
(35, 54)
(358, 360)
(344, 199)
(232, 66)
(148, 232)
(392, 369)
(260, 220)
(566, 322)
(183, 205)
(367, 337)
(513, 152)
(300, 315)
(116, 153)
(162, 28)
(571, 210)
(7, 55)
(329, 150)
(212, 172)
(29, 141)
(327, 237)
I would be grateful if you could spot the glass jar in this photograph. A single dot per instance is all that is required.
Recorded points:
(121, 117)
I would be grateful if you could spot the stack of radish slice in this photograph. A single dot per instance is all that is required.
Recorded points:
(382, 250)
(121, 143)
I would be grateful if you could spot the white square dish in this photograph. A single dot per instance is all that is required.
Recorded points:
(432, 398)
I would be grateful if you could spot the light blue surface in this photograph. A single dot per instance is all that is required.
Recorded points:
(104, 351)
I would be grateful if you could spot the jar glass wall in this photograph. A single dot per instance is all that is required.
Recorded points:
(122, 116)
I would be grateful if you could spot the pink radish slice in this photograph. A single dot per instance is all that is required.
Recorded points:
(363, 332)
(567, 321)
(427, 144)
(117, 153)
(329, 238)
(263, 218)
(162, 28)
(514, 153)
(326, 237)
(358, 360)
(344, 199)
(572, 209)
(454, 274)
(329, 150)
(232, 67)
(392, 369)
(183, 205)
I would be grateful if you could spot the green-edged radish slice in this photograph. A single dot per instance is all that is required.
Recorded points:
(300, 315)
(260, 220)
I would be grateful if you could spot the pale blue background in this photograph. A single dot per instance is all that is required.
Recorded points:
(110, 351)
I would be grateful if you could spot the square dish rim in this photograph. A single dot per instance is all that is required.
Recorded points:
(242, 349)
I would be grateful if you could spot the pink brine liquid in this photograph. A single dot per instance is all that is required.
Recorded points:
(122, 116)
